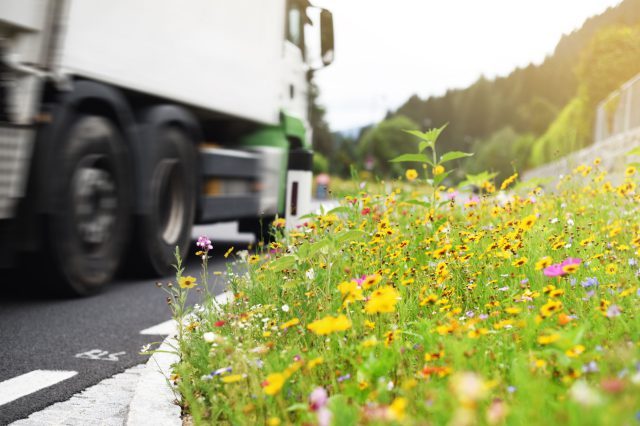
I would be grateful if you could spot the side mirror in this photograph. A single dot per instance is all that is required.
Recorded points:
(326, 37)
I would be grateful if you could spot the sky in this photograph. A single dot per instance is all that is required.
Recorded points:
(388, 50)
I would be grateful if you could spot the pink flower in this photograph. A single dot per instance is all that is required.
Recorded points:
(558, 269)
(554, 270)
(571, 261)
(318, 403)
(318, 398)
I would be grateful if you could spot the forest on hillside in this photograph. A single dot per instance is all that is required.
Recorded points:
(532, 116)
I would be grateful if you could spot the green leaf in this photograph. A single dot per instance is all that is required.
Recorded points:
(317, 246)
(340, 209)
(418, 158)
(634, 151)
(454, 155)
(351, 235)
(309, 216)
(437, 180)
(430, 136)
(438, 223)
(298, 407)
(418, 203)
(478, 179)
(424, 145)
(284, 262)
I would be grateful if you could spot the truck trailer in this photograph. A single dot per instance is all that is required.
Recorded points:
(125, 122)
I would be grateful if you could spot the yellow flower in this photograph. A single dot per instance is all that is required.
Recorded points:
(438, 170)
(228, 252)
(383, 300)
(187, 282)
(575, 351)
(273, 421)
(290, 323)
(611, 268)
(253, 259)
(232, 378)
(279, 223)
(397, 408)
(527, 222)
(546, 339)
(411, 175)
(370, 281)
(519, 262)
(508, 181)
(369, 342)
(314, 363)
(274, 383)
(330, 324)
(550, 307)
(350, 292)
(543, 263)
(630, 171)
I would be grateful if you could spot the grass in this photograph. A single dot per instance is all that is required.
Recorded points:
(425, 308)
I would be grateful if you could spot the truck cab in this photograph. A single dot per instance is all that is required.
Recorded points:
(123, 123)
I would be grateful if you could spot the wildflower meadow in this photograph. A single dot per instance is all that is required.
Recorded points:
(517, 305)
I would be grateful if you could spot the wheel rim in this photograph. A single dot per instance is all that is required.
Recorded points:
(95, 201)
(171, 202)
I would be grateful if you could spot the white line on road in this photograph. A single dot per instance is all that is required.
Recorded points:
(31, 382)
(163, 329)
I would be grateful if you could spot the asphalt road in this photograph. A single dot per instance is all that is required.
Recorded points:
(96, 337)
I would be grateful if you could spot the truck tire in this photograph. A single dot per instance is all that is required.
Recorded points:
(90, 218)
(172, 198)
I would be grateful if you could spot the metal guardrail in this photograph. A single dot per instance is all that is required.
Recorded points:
(619, 112)
(616, 132)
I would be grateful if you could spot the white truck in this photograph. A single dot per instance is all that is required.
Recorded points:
(124, 122)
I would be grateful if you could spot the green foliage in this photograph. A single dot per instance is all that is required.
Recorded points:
(612, 57)
(569, 132)
(502, 152)
(384, 142)
(531, 98)
(320, 163)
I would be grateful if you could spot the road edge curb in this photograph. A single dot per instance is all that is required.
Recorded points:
(154, 399)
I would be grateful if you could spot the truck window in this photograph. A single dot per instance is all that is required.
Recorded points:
(295, 23)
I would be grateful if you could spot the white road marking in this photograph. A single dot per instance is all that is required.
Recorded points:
(31, 382)
(163, 329)
(100, 355)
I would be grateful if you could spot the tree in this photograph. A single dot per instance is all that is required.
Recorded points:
(384, 142)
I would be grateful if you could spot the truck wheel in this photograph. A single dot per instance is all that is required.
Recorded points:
(172, 204)
(90, 219)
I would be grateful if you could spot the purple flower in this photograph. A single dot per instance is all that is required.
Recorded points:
(590, 282)
(511, 389)
(343, 378)
(221, 371)
(204, 243)
(591, 367)
(613, 311)
(470, 314)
